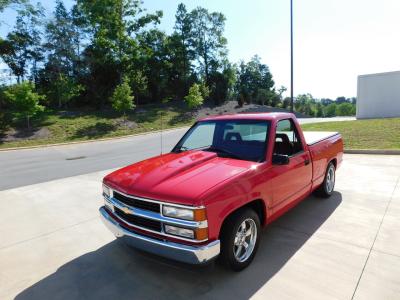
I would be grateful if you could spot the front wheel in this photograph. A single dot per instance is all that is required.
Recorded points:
(326, 188)
(240, 239)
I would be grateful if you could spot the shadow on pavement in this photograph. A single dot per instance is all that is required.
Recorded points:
(115, 271)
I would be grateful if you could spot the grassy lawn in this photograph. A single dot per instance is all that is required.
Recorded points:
(364, 134)
(79, 126)
(68, 126)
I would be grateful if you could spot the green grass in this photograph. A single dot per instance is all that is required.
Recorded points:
(364, 134)
(91, 125)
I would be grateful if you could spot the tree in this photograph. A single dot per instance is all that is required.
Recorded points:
(60, 74)
(286, 102)
(64, 89)
(305, 104)
(326, 101)
(344, 109)
(204, 90)
(22, 45)
(182, 42)
(61, 42)
(281, 90)
(252, 77)
(122, 98)
(6, 3)
(155, 63)
(330, 110)
(24, 100)
(340, 100)
(263, 96)
(208, 40)
(319, 113)
(222, 83)
(113, 50)
(194, 99)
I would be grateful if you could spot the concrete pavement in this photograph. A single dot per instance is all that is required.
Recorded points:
(29, 166)
(53, 246)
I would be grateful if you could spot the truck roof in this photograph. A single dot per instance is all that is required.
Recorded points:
(269, 116)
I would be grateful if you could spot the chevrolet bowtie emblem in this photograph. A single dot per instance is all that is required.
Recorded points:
(126, 210)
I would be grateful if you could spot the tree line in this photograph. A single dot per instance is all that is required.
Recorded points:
(102, 51)
(325, 107)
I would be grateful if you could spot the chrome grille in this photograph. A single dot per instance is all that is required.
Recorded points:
(133, 202)
(138, 221)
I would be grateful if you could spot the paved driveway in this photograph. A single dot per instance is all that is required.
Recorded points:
(53, 246)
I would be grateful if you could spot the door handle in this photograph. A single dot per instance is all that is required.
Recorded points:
(306, 161)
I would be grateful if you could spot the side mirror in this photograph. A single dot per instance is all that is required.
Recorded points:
(280, 159)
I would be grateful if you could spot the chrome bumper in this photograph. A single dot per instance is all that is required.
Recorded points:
(184, 253)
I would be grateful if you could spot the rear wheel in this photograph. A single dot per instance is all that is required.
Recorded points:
(326, 188)
(240, 239)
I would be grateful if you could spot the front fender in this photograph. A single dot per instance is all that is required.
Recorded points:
(222, 203)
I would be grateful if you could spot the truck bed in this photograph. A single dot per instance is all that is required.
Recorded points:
(313, 137)
(323, 147)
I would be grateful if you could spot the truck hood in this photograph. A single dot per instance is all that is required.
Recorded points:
(176, 177)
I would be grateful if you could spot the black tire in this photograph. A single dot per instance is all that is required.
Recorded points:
(325, 190)
(228, 234)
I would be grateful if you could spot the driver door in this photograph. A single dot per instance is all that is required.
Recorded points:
(291, 181)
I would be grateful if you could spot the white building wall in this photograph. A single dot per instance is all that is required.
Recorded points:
(378, 95)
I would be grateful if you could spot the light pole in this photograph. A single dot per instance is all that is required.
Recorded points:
(291, 56)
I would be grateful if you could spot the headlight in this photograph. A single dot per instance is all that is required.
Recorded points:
(195, 214)
(106, 191)
(188, 233)
(179, 213)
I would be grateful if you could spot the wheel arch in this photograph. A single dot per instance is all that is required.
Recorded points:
(334, 161)
(257, 205)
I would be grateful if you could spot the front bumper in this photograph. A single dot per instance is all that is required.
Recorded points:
(184, 253)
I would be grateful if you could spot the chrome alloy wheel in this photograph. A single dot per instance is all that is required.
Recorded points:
(245, 240)
(330, 179)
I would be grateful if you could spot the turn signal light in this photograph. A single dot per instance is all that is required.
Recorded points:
(201, 234)
(199, 214)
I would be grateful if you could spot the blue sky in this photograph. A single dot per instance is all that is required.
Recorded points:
(335, 40)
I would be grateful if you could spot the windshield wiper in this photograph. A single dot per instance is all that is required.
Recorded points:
(223, 150)
(182, 148)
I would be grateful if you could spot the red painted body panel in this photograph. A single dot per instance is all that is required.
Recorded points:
(223, 185)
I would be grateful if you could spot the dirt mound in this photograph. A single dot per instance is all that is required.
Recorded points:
(125, 124)
(25, 134)
(231, 107)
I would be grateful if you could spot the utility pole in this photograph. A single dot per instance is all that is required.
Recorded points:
(291, 56)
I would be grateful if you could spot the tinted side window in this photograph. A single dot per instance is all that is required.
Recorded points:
(287, 140)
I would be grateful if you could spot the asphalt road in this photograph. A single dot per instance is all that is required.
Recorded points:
(30, 166)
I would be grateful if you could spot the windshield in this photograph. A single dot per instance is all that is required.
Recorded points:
(240, 139)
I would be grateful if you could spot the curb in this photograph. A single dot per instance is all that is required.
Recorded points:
(372, 151)
(91, 141)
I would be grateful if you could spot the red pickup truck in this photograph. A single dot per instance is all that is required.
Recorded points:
(227, 177)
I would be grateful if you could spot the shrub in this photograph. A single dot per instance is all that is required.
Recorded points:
(330, 110)
(122, 98)
(345, 109)
(194, 98)
(24, 100)
(204, 90)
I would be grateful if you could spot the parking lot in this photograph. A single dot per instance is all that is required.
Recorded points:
(54, 246)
